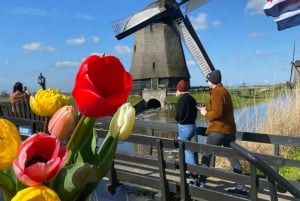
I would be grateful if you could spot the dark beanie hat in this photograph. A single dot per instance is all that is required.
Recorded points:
(214, 77)
(182, 86)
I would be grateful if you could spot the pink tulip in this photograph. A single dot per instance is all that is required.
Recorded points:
(62, 122)
(39, 159)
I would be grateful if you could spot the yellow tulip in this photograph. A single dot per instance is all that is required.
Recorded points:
(10, 141)
(47, 102)
(40, 193)
(122, 122)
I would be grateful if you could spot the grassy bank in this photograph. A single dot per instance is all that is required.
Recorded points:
(241, 96)
(282, 118)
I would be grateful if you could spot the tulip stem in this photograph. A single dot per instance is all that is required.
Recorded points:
(71, 145)
(46, 122)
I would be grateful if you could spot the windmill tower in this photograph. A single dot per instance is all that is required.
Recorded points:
(158, 56)
(296, 81)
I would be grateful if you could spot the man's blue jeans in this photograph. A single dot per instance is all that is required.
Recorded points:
(185, 133)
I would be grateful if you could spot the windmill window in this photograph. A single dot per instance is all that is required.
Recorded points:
(151, 28)
(153, 65)
(134, 47)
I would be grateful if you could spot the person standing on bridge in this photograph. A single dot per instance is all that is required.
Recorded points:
(186, 114)
(221, 127)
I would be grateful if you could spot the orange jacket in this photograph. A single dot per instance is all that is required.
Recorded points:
(220, 111)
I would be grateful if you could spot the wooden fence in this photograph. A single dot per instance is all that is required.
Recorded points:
(160, 167)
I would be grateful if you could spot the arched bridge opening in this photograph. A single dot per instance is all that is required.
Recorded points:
(153, 103)
(154, 97)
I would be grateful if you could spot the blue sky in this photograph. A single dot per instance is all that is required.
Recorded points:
(52, 37)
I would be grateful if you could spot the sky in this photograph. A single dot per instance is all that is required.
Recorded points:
(53, 37)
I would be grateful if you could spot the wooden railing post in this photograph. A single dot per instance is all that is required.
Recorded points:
(254, 182)
(113, 181)
(184, 190)
(162, 173)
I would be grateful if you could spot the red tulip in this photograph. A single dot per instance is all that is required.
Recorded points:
(102, 85)
(62, 122)
(39, 159)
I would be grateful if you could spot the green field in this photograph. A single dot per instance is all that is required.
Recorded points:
(3, 99)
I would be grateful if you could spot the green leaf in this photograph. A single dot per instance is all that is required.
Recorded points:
(87, 153)
(72, 181)
(106, 156)
(79, 137)
(106, 144)
(7, 185)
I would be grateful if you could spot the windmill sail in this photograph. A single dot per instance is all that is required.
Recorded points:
(137, 21)
(168, 11)
(193, 4)
(194, 45)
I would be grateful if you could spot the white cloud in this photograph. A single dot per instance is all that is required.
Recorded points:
(29, 11)
(61, 64)
(80, 16)
(242, 56)
(53, 13)
(216, 23)
(257, 34)
(254, 7)
(122, 49)
(200, 21)
(5, 62)
(260, 52)
(76, 41)
(37, 46)
(95, 39)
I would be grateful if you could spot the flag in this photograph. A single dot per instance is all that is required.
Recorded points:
(286, 13)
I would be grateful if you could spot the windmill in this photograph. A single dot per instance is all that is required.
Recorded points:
(295, 71)
(159, 30)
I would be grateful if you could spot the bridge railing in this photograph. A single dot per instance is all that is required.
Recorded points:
(170, 175)
(275, 179)
(166, 175)
(26, 121)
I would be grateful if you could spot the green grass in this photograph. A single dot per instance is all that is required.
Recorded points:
(292, 173)
(134, 99)
(241, 96)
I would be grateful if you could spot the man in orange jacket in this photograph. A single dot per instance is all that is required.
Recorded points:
(221, 127)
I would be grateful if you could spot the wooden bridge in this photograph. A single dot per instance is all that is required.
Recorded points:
(166, 175)
(160, 166)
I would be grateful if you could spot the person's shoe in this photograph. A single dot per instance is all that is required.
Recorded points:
(196, 182)
(243, 192)
(190, 175)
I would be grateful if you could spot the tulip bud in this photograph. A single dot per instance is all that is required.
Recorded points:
(62, 122)
(122, 122)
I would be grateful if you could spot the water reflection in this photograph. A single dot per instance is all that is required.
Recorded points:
(123, 193)
(247, 118)
(164, 116)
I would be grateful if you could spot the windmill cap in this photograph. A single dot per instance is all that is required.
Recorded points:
(182, 86)
(214, 77)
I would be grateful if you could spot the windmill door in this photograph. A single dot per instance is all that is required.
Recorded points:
(154, 83)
